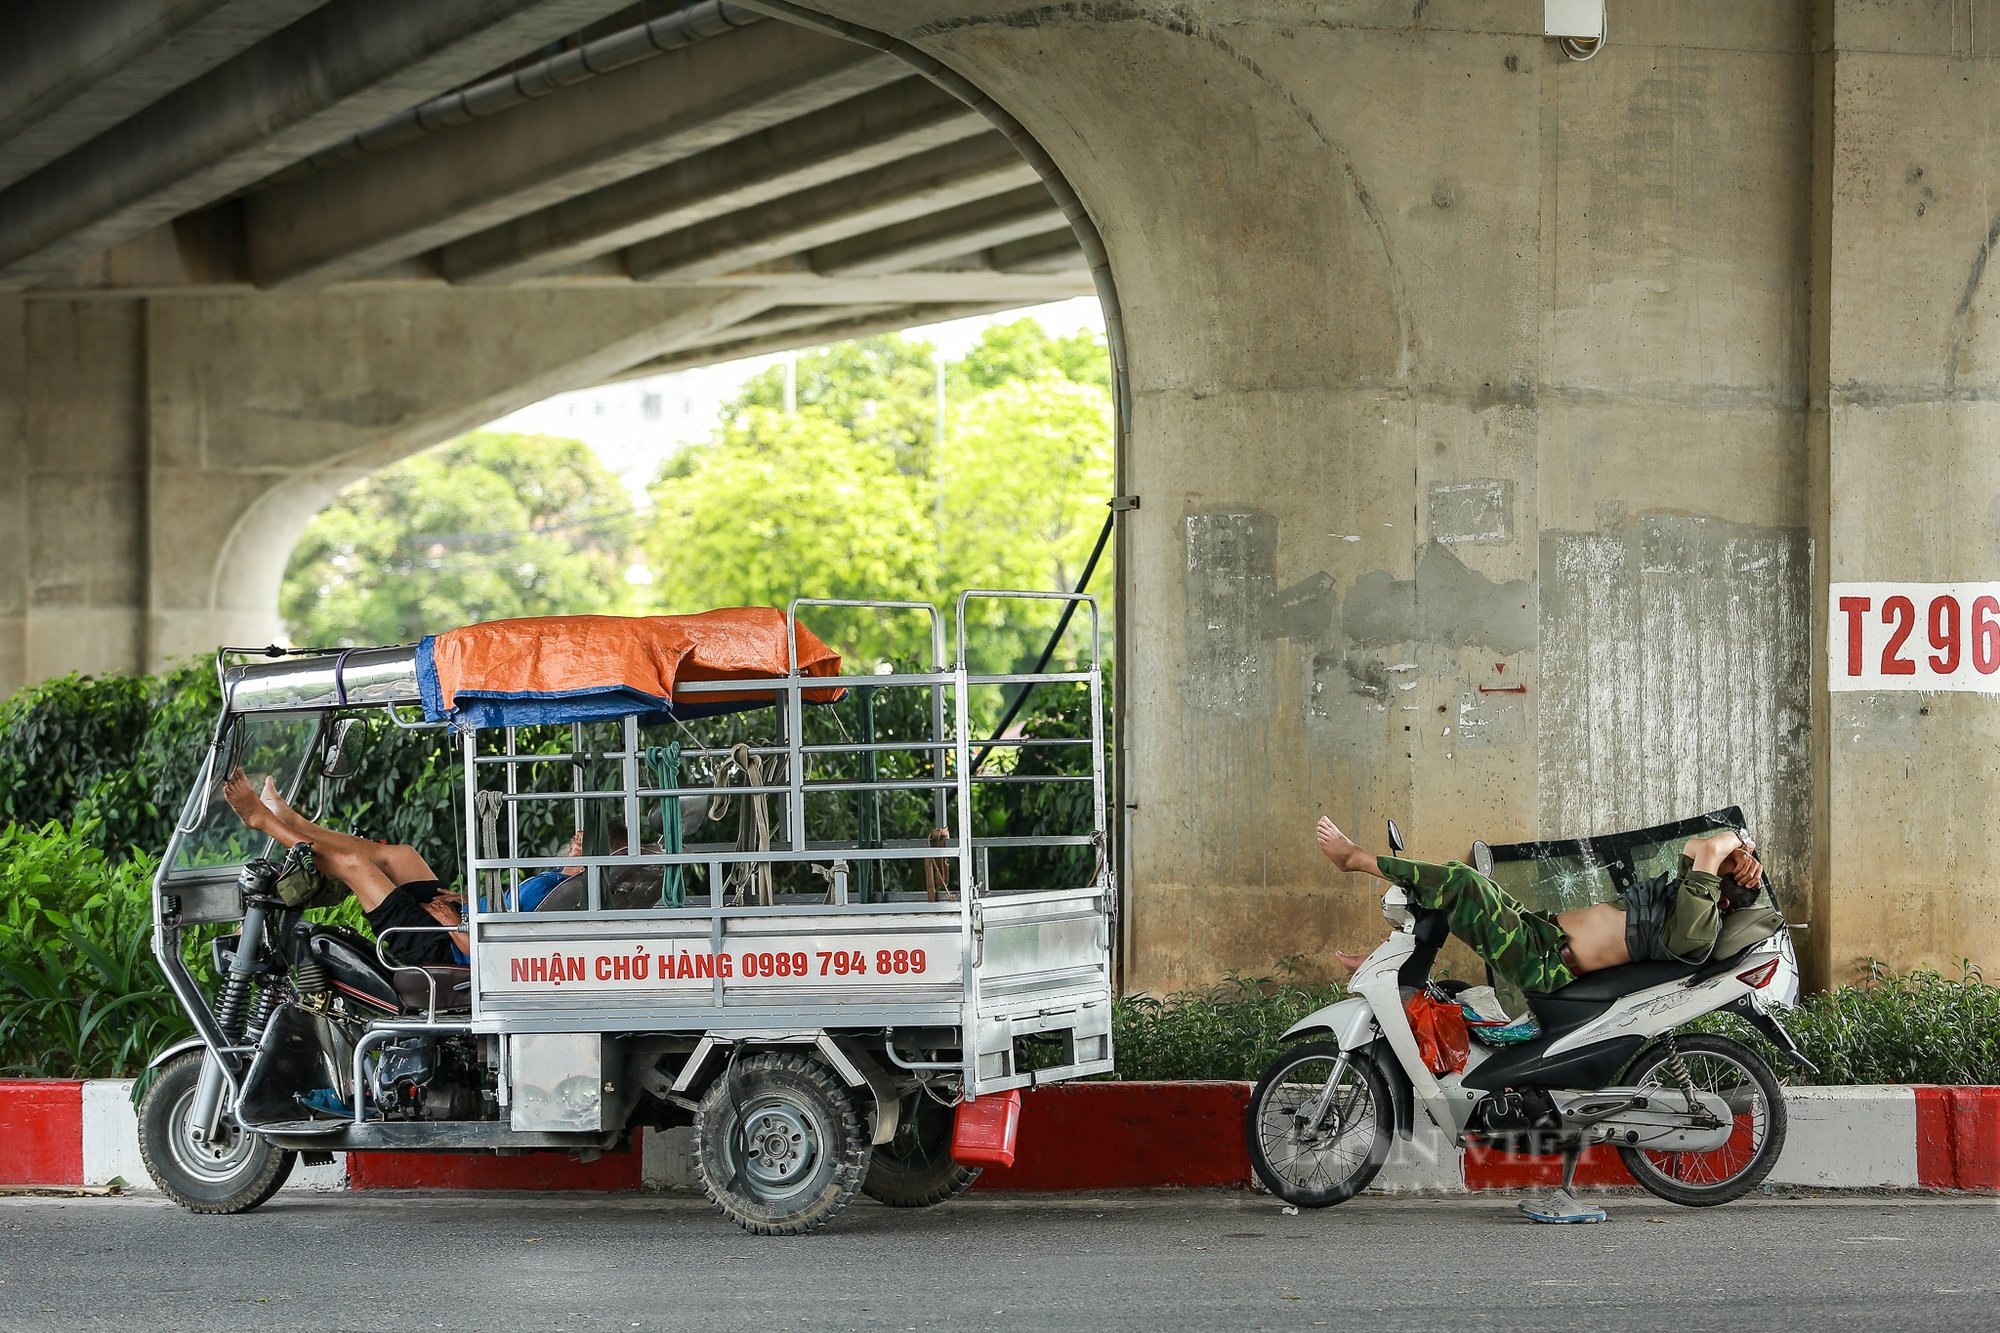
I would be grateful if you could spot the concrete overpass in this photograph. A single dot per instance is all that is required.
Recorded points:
(1500, 420)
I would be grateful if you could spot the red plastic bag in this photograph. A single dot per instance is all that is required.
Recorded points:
(1439, 1024)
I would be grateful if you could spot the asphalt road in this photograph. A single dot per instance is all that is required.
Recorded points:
(1193, 1260)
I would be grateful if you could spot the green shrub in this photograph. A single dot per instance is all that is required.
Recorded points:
(1900, 1027)
(85, 998)
(1229, 1031)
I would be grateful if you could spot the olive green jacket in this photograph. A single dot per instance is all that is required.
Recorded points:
(1680, 916)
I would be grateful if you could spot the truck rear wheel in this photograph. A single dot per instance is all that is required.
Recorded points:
(914, 1169)
(779, 1144)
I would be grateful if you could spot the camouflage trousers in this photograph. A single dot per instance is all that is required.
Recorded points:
(1523, 947)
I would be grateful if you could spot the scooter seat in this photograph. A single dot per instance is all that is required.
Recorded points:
(1612, 982)
(413, 987)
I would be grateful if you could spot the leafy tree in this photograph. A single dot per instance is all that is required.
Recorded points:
(882, 390)
(1023, 350)
(787, 505)
(488, 527)
(1026, 472)
(1020, 488)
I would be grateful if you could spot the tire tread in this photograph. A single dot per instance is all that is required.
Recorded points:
(849, 1170)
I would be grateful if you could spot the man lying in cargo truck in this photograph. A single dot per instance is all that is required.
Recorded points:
(395, 885)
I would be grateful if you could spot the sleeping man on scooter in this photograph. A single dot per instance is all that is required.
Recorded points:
(1672, 917)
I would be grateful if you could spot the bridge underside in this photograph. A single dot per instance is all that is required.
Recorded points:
(1499, 421)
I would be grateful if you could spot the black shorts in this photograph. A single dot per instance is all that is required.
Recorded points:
(405, 907)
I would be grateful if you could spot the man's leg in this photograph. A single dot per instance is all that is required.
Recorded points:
(1524, 947)
(376, 874)
(402, 863)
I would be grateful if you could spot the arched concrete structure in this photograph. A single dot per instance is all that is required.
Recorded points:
(1499, 420)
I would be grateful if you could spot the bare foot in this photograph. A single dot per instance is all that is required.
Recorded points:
(1350, 961)
(273, 800)
(236, 791)
(1337, 846)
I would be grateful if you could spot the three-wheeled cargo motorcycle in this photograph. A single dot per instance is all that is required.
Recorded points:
(816, 947)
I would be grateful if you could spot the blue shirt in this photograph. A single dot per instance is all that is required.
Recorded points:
(532, 891)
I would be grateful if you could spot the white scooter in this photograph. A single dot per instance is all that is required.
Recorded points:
(1698, 1119)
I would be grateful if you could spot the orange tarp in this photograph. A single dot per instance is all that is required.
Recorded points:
(643, 659)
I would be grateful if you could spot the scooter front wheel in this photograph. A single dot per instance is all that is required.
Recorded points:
(1319, 1124)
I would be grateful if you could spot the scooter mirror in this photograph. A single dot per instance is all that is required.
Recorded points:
(1482, 857)
(1395, 838)
(338, 763)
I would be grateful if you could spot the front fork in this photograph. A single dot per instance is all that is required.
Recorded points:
(1317, 1114)
(205, 1115)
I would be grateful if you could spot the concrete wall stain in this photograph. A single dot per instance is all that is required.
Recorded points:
(1304, 612)
(1232, 561)
(1446, 604)
(1479, 511)
(1677, 676)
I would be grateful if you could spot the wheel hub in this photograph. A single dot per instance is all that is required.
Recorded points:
(780, 1149)
(215, 1158)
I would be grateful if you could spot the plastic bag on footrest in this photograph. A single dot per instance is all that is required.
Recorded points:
(1439, 1025)
(1488, 1021)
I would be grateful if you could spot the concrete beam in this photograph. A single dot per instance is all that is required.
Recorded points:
(70, 72)
(800, 286)
(956, 232)
(941, 179)
(332, 73)
(370, 211)
(1051, 252)
(870, 320)
(861, 133)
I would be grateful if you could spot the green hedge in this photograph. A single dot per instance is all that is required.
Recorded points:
(84, 998)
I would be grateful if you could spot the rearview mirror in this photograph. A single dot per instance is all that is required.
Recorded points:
(1395, 838)
(1482, 857)
(338, 763)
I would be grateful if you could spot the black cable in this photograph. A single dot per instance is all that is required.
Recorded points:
(1069, 610)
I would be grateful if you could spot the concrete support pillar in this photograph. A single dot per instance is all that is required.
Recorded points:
(1908, 420)
(1470, 396)
(166, 453)
(73, 442)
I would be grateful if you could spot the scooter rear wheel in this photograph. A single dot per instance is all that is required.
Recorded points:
(1739, 1075)
(1316, 1166)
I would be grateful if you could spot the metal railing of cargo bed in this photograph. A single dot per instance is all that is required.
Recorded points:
(944, 761)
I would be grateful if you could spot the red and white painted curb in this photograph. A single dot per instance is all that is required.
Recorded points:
(1078, 1137)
